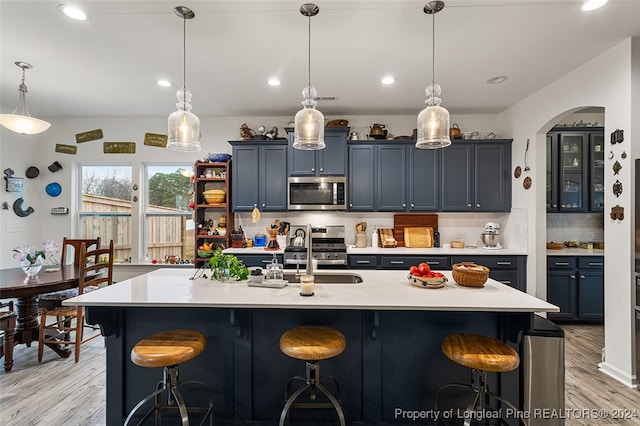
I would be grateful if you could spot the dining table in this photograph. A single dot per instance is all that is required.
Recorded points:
(14, 284)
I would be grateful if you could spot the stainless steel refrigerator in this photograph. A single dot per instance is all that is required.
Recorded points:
(637, 230)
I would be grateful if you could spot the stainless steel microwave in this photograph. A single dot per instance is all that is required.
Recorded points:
(317, 193)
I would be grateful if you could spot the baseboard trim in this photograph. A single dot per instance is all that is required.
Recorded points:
(625, 379)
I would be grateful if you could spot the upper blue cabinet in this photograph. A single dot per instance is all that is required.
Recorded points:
(330, 161)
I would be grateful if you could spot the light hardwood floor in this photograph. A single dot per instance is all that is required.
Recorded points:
(61, 392)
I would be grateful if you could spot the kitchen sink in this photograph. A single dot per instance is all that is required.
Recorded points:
(320, 278)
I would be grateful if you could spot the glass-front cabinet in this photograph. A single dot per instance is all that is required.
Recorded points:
(596, 146)
(575, 170)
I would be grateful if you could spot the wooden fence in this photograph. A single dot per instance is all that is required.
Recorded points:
(166, 235)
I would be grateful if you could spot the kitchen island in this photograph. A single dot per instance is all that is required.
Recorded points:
(393, 330)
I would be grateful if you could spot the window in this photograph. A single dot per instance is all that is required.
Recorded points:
(105, 206)
(160, 206)
(168, 218)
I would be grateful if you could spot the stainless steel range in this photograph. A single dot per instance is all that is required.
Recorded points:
(327, 246)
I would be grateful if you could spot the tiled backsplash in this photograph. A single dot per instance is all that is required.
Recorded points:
(452, 226)
(575, 227)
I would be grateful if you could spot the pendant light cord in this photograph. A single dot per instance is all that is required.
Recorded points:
(309, 61)
(433, 51)
(184, 60)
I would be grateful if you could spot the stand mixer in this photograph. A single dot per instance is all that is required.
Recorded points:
(491, 236)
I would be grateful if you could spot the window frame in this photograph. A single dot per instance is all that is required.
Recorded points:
(144, 204)
(139, 206)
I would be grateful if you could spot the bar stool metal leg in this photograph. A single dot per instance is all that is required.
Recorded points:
(480, 395)
(175, 401)
(312, 382)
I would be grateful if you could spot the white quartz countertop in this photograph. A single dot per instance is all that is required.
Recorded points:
(575, 252)
(400, 251)
(380, 290)
(479, 251)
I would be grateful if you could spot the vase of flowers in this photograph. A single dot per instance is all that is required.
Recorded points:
(31, 260)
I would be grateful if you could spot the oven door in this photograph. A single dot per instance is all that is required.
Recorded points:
(316, 193)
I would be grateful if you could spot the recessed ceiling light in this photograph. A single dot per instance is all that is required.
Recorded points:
(73, 12)
(497, 80)
(593, 4)
(274, 82)
(387, 80)
(164, 83)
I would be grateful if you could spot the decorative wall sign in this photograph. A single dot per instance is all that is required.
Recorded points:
(66, 149)
(617, 188)
(617, 136)
(154, 139)
(60, 211)
(91, 135)
(54, 167)
(18, 210)
(617, 213)
(617, 167)
(119, 147)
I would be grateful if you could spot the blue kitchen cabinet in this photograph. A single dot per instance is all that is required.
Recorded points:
(330, 161)
(361, 178)
(391, 178)
(437, 263)
(260, 260)
(576, 286)
(476, 176)
(423, 179)
(509, 270)
(400, 177)
(562, 292)
(575, 169)
(260, 176)
(596, 171)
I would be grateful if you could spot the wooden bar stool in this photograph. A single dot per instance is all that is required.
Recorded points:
(169, 349)
(312, 344)
(481, 354)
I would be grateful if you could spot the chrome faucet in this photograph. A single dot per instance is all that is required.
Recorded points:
(309, 251)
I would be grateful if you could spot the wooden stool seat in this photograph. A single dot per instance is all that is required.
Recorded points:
(480, 353)
(312, 343)
(168, 348)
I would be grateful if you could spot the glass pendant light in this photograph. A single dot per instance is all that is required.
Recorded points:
(433, 121)
(309, 122)
(184, 126)
(20, 121)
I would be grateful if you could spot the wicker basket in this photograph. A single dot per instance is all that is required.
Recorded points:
(470, 274)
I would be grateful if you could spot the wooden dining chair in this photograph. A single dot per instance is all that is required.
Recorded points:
(7, 327)
(68, 243)
(54, 299)
(68, 325)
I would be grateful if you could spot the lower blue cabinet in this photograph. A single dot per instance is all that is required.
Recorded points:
(576, 286)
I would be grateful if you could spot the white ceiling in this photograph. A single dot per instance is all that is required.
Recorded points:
(108, 66)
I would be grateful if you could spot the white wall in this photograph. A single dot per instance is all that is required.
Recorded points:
(602, 82)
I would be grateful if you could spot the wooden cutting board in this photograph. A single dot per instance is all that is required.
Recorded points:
(386, 237)
(402, 220)
(418, 236)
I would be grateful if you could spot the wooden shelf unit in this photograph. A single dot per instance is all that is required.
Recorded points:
(203, 212)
